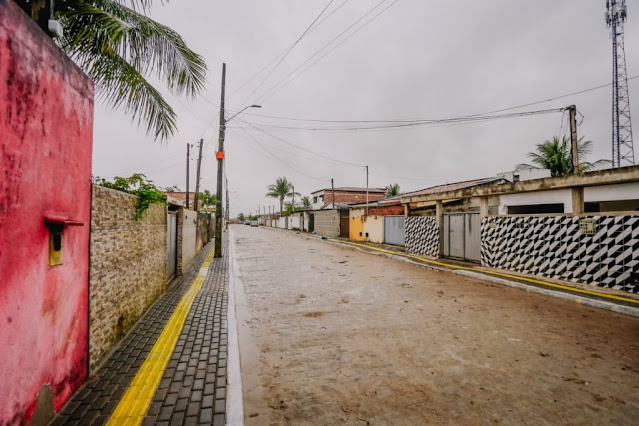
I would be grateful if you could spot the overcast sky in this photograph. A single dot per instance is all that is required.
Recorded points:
(418, 59)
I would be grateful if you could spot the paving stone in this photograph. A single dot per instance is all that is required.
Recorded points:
(219, 420)
(220, 405)
(206, 416)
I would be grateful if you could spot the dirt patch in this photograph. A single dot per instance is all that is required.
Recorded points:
(313, 314)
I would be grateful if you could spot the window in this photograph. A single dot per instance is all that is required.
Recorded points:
(314, 199)
(321, 198)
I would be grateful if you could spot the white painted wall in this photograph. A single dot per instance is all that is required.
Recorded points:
(374, 227)
(189, 237)
(320, 200)
(622, 191)
(294, 221)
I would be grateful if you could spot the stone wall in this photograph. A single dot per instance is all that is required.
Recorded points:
(556, 247)
(327, 223)
(127, 266)
(421, 235)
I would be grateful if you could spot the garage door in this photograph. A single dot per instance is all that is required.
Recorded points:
(394, 230)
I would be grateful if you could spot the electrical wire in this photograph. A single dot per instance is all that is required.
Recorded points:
(280, 160)
(301, 148)
(289, 51)
(262, 99)
(412, 120)
(319, 51)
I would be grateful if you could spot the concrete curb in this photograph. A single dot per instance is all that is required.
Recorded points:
(602, 304)
(235, 396)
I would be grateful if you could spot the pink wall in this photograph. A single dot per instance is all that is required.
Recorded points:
(46, 124)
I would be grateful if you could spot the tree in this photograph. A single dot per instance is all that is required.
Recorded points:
(240, 217)
(139, 185)
(281, 189)
(306, 202)
(392, 190)
(555, 155)
(207, 198)
(173, 188)
(118, 47)
(289, 208)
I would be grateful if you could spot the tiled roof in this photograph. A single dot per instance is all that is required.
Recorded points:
(443, 188)
(351, 189)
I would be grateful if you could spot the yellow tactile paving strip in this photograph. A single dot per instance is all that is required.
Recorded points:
(136, 401)
(501, 274)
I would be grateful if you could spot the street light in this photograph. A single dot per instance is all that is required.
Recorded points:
(220, 166)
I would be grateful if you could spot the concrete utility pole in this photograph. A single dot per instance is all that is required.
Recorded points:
(333, 193)
(573, 138)
(227, 204)
(197, 182)
(220, 168)
(188, 161)
(366, 190)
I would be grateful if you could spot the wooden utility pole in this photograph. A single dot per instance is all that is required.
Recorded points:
(196, 204)
(573, 138)
(333, 193)
(366, 190)
(188, 160)
(220, 168)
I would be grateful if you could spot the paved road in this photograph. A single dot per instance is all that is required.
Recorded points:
(330, 335)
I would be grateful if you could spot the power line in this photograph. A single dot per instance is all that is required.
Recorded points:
(283, 52)
(417, 123)
(289, 50)
(413, 120)
(301, 148)
(334, 47)
(279, 159)
(320, 50)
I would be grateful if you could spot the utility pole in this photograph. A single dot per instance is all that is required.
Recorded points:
(573, 138)
(220, 168)
(366, 190)
(197, 182)
(333, 193)
(188, 160)
(227, 204)
(293, 196)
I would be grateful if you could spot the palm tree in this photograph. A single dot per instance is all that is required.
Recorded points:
(118, 47)
(281, 189)
(555, 155)
(306, 202)
(392, 190)
(207, 198)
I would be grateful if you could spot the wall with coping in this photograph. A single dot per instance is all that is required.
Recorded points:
(128, 266)
(46, 136)
(422, 235)
(555, 247)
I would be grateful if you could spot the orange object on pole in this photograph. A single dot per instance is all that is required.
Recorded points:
(219, 155)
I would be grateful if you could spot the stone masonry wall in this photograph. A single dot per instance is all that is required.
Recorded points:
(127, 266)
(327, 223)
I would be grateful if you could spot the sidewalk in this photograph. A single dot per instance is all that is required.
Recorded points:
(171, 368)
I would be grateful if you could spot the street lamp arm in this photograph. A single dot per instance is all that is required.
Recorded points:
(241, 111)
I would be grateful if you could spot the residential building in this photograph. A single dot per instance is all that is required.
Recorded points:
(323, 198)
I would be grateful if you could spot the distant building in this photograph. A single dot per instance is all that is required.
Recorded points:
(181, 197)
(323, 198)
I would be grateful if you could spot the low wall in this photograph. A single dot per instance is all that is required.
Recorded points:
(374, 229)
(327, 223)
(294, 222)
(554, 247)
(189, 236)
(422, 235)
(127, 266)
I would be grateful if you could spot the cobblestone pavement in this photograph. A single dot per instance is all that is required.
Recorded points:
(193, 387)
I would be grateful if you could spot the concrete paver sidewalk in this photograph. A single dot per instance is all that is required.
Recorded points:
(192, 388)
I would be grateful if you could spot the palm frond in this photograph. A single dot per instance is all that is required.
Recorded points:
(105, 29)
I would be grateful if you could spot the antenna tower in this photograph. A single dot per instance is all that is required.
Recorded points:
(622, 147)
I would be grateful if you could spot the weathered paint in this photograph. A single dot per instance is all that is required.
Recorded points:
(356, 225)
(374, 228)
(46, 121)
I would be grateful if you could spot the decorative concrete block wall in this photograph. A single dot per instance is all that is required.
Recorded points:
(421, 235)
(327, 223)
(127, 266)
(555, 247)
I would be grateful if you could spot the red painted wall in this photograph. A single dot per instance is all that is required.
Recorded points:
(46, 125)
(386, 211)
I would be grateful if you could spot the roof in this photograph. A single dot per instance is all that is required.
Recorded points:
(350, 189)
(443, 188)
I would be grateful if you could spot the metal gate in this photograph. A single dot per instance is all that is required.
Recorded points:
(344, 224)
(171, 244)
(462, 236)
(394, 230)
(311, 222)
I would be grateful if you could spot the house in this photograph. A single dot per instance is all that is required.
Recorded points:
(323, 198)
(181, 197)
